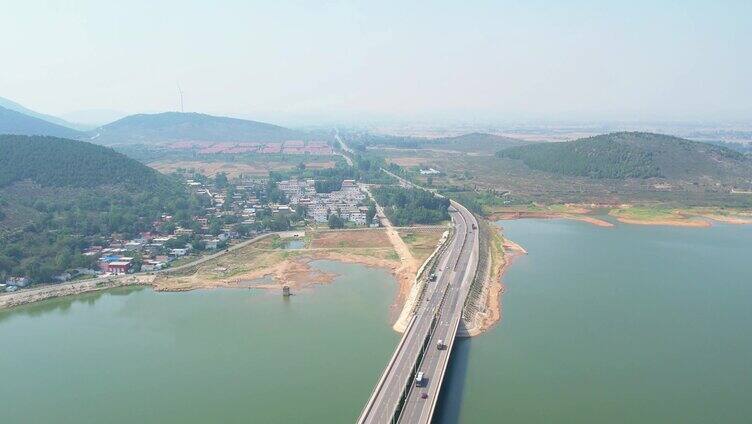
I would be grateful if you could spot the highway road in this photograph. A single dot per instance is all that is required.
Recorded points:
(396, 395)
(435, 361)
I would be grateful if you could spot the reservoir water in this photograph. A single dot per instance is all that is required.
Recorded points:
(631, 324)
(231, 356)
(621, 325)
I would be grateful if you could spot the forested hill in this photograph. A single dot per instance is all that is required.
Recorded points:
(477, 142)
(175, 126)
(57, 162)
(58, 197)
(633, 155)
(13, 122)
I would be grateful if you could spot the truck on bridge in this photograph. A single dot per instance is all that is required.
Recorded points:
(420, 379)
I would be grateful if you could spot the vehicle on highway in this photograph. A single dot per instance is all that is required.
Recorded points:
(440, 345)
(424, 395)
(420, 380)
(432, 278)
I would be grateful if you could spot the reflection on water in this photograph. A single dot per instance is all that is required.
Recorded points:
(64, 304)
(134, 355)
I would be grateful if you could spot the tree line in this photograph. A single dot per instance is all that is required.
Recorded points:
(405, 206)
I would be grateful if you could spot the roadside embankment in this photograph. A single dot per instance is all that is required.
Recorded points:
(484, 305)
(417, 286)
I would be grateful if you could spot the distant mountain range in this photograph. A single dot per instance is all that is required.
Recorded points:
(93, 118)
(475, 142)
(10, 104)
(634, 155)
(469, 143)
(13, 122)
(175, 126)
(143, 128)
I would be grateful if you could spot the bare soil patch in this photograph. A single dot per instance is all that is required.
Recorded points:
(351, 239)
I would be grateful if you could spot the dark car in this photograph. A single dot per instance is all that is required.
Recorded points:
(424, 395)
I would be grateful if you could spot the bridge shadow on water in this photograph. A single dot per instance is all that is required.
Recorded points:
(450, 400)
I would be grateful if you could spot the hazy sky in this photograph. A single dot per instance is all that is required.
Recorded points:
(506, 59)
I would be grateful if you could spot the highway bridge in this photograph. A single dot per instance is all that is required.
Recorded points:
(396, 397)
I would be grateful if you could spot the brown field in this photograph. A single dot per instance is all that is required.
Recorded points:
(408, 161)
(234, 169)
(421, 243)
(351, 239)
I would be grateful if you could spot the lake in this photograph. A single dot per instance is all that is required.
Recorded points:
(133, 355)
(622, 325)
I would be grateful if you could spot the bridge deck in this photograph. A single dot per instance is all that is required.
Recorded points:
(395, 396)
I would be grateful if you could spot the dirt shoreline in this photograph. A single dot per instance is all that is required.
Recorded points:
(297, 273)
(282, 267)
(689, 223)
(549, 215)
(689, 218)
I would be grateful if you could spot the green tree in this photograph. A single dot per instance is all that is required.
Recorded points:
(335, 221)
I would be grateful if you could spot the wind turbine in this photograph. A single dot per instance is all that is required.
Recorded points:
(180, 91)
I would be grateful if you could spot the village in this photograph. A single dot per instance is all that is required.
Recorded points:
(235, 210)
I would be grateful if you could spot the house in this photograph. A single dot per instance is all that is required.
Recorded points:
(18, 281)
(85, 271)
(152, 265)
(179, 252)
(118, 267)
(61, 278)
(134, 245)
(183, 232)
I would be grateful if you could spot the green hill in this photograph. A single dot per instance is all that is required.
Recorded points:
(634, 155)
(175, 126)
(56, 162)
(13, 122)
(59, 196)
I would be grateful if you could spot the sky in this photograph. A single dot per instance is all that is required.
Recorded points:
(359, 60)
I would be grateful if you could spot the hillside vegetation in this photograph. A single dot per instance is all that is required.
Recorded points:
(55, 162)
(633, 155)
(175, 126)
(13, 122)
(58, 197)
